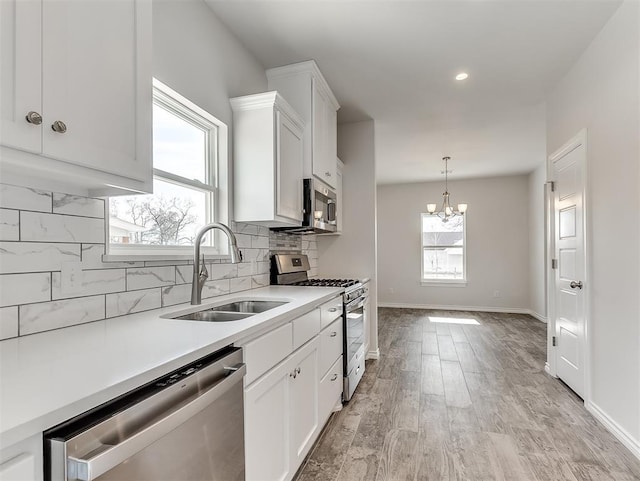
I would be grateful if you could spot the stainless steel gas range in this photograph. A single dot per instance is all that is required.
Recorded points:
(291, 269)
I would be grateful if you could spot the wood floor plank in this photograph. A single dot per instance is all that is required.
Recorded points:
(467, 357)
(455, 387)
(432, 375)
(447, 349)
(398, 459)
(360, 464)
(430, 344)
(513, 466)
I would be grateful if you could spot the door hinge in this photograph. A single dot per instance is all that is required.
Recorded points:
(552, 185)
(554, 263)
(553, 341)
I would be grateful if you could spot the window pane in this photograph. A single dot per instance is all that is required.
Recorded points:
(170, 216)
(444, 263)
(178, 146)
(435, 232)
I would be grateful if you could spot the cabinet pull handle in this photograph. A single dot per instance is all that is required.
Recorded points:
(34, 118)
(333, 334)
(328, 174)
(333, 309)
(298, 370)
(293, 374)
(334, 377)
(59, 126)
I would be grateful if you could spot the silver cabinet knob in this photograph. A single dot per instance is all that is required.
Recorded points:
(34, 118)
(575, 284)
(59, 126)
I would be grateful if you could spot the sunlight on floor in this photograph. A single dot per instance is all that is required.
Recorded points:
(454, 320)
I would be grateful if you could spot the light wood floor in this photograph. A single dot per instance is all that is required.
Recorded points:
(464, 402)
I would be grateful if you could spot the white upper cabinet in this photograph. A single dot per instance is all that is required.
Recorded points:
(304, 87)
(267, 161)
(77, 90)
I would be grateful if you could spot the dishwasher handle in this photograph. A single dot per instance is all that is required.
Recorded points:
(90, 468)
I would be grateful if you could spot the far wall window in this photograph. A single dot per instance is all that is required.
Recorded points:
(443, 249)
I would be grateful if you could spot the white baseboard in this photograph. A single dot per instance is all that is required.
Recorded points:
(614, 428)
(373, 354)
(540, 317)
(439, 307)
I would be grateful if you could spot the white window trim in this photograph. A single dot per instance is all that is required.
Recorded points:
(219, 176)
(444, 282)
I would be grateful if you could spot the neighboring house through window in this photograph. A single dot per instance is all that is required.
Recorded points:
(443, 249)
(189, 181)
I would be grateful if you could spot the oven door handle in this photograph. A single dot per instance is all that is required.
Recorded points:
(355, 304)
(91, 467)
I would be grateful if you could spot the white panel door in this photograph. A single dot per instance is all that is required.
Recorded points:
(289, 154)
(93, 80)
(21, 74)
(570, 272)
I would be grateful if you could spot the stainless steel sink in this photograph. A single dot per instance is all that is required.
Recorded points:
(214, 316)
(254, 307)
(234, 311)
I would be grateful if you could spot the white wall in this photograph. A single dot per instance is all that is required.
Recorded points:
(600, 93)
(537, 271)
(353, 253)
(497, 244)
(195, 54)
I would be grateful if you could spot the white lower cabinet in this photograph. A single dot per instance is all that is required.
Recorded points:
(22, 461)
(281, 417)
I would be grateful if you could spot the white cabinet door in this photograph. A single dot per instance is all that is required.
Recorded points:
(267, 427)
(289, 153)
(304, 402)
(324, 133)
(97, 81)
(20, 468)
(20, 73)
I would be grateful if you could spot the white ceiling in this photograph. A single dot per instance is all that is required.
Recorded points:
(394, 61)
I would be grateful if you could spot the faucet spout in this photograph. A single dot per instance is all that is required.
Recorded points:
(200, 276)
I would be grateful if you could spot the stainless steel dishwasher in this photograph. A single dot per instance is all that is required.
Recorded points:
(185, 426)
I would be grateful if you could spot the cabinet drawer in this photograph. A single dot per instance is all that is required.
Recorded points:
(330, 390)
(330, 345)
(305, 327)
(267, 351)
(329, 311)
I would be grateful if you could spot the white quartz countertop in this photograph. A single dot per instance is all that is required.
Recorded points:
(50, 377)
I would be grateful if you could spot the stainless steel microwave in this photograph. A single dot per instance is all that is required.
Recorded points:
(319, 210)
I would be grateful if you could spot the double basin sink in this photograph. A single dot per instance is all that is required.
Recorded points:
(232, 311)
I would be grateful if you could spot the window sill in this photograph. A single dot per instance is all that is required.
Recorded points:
(444, 283)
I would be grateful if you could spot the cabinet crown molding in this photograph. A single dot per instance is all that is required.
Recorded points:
(310, 67)
(267, 99)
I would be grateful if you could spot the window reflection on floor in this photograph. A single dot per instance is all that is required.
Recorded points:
(454, 320)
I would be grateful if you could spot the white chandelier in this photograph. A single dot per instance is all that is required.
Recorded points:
(446, 211)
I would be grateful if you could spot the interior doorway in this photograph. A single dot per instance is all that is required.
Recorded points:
(568, 354)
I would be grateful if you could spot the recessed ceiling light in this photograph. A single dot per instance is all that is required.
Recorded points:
(462, 76)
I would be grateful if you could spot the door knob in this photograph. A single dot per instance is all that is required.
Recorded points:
(34, 118)
(59, 126)
(575, 284)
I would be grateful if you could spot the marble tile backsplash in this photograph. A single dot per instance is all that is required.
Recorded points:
(40, 231)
